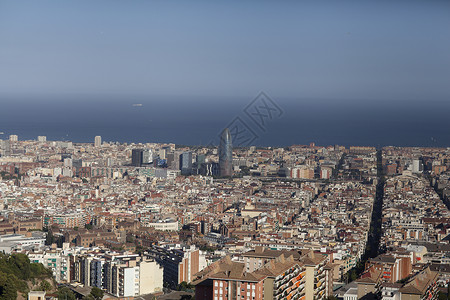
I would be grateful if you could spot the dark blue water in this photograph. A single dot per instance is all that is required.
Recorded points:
(194, 121)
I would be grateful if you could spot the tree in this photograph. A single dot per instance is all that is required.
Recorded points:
(139, 249)
(60, 241)
(65, 293)
(45, 286)
(352, 275)
(8, 290)
(130, 238)
(442, 296)
(97, 293)
(20, 262)
(184, 286)
(15, 272)
(49, 239)
(39, 271)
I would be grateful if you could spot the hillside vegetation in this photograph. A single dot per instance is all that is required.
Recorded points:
(18, 276)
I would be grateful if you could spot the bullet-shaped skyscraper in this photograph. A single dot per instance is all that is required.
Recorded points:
(226, 154)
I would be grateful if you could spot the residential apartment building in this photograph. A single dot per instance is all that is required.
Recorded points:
(284, 275)
(56, 260)
(122, 275)
(179, 264)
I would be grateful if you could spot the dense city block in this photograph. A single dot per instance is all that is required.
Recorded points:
(164, 221)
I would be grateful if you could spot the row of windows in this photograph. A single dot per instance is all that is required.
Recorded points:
(225, 297)
(217, 284)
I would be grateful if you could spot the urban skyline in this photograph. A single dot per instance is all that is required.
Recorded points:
(328, 216)
(212, 150)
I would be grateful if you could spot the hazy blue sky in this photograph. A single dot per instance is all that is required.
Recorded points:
(319, 49)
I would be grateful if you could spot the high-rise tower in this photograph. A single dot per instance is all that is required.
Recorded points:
(186, 163)
(137, 157)
(225, 154)
(98, 141)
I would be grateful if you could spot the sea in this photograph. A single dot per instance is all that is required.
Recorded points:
(259, 121)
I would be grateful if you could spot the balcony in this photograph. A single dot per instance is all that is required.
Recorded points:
(301, 287)
(319, 279)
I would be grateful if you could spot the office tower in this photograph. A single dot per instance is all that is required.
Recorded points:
(42, 138)
(98, 141)
(176, 163)
(137, 157)
(5, 146)
(147, 157)
(186, 163)
(209, 169)
(77, 164)
(162, 153)
(417, 166)
(13, 138)
(171, 160)
(201, 159)
(225, 153)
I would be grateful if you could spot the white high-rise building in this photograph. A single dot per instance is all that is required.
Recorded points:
(13, 138)
(42, 138)
(98, 141)
(68, 162)
(162, 153)
(417, 166)
(147, 156)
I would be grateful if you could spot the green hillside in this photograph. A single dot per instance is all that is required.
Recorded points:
(18, 275)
